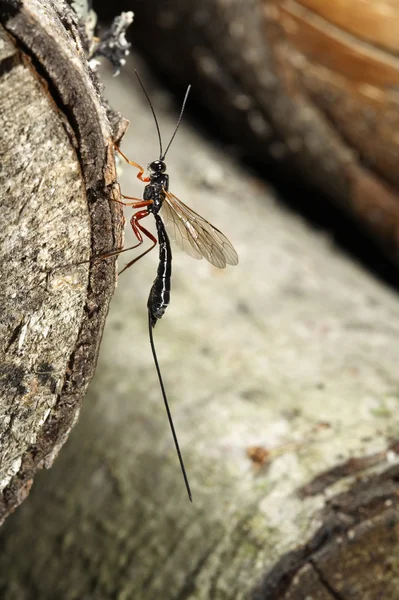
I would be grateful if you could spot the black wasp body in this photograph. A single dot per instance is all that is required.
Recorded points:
(159, 296)
(159, 183)
(196, 236)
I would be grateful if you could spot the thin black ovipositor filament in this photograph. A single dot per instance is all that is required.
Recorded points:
(172, 427)
(158, 300)
(194, 234)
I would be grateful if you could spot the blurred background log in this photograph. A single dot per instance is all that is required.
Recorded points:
(282, 372)
(282, 378)
(308, 84)
(57, 177)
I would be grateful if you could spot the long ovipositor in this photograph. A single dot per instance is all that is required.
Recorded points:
(194, 234)
(158, 301)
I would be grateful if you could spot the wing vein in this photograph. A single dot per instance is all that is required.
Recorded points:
(196, 236)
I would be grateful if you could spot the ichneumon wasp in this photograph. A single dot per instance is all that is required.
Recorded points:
(191, 232)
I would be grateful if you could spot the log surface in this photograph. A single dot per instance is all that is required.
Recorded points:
(56, 180)
(282, 379)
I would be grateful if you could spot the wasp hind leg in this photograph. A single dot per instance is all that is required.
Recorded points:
(138, 229)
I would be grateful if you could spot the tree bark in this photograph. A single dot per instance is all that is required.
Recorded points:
(282, 378)
(57, 177)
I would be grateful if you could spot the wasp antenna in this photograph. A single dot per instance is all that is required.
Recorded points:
(178, 122)
(151, 324)
(154, 115)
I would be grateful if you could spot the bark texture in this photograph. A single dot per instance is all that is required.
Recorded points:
(57, 177)
(283, 383)
(309, 84)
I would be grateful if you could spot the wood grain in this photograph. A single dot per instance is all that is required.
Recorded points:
(57, 178)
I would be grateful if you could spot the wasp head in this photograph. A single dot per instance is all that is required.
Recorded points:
(157, 166)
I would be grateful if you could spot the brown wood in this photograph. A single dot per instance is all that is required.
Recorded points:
(367, 20)
(353, 554)
(57, 178)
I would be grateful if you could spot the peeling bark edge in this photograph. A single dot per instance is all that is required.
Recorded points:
(90, 132)
(370, 503)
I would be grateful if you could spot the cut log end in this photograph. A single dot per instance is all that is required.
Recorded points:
(57, 179)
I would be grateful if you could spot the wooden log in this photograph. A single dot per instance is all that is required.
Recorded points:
(57, 177)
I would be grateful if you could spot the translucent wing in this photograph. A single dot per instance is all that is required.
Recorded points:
(193, 234)
(178, 232)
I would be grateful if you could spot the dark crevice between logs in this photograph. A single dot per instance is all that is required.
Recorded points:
(326, 584)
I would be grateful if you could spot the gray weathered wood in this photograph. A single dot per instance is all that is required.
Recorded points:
(57, 177)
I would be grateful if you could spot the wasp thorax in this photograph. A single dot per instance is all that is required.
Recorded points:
(157, 166)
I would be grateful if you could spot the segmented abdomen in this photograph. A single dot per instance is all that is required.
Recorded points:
(159, 297)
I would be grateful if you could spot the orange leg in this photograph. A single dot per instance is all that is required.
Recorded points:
(143, 214)
(109, 254)
(137, 204)
(114, 253)
(137, 228)
(130, 162)
(136, 199)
